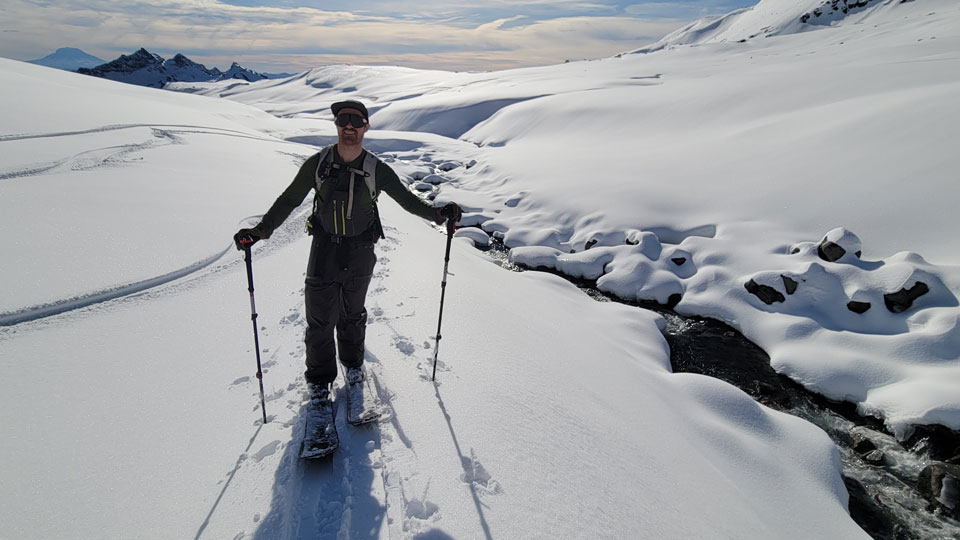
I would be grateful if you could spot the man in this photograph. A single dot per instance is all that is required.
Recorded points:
(345, 225)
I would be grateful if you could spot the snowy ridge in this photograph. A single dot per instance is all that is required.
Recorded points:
(769, 18)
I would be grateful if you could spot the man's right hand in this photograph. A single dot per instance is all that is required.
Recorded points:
(450, 211)
(245, 238)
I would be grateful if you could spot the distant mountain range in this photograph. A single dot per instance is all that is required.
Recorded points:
(144, 68)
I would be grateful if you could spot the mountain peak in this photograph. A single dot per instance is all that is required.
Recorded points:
(68, 58)
(237, 71)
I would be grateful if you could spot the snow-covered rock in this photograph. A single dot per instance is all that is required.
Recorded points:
(838, 245)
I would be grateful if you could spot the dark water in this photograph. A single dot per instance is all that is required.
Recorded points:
(881, 473)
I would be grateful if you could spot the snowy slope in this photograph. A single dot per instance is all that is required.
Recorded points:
(773, 18)
(140, 413)
(555, 416)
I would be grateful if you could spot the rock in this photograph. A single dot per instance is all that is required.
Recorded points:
(858, 307)
(789, 284)
(830, 251)
(679, 261)
(862, 444)
(939, 483)
(867, 449)
(901, 300)
(767, 294)
(837, 243)
(875, 520)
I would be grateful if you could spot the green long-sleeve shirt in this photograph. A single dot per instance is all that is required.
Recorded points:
(387, 182)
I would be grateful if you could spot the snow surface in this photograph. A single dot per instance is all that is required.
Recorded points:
(136, 416)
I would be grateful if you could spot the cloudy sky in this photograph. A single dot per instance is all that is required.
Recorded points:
(293, 35)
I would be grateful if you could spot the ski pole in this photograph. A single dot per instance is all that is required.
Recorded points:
(253, 317)
(451, 226)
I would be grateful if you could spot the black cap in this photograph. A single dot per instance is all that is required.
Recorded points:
(349, 104)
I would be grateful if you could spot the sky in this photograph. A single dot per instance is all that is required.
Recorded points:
(295, 35)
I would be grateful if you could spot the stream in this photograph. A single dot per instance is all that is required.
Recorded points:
(882, 474)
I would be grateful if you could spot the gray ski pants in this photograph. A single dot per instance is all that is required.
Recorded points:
(338, 275)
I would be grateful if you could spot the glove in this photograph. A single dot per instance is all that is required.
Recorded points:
(245, 238)
(451, 211)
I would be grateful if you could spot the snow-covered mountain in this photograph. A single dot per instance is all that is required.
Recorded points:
(68, 58)
(144, 68)
(772, 18)
(237, 71)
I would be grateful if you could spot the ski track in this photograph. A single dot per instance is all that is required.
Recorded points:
(197, 272)
(116, 127)
(163, 135)
(96, 158)
(70, 304)
(359, 493)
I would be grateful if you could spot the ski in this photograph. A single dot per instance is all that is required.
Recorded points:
(363, 402)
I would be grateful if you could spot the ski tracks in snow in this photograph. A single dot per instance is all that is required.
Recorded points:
(370, 488)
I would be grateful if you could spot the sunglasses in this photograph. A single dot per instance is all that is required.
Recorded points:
(355, 120)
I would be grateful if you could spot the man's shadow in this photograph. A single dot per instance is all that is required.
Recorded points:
(317, 499)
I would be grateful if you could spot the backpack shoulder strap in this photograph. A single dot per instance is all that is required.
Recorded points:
(326, 155)
(370, 173)
(370, 163)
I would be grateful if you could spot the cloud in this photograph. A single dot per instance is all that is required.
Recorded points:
(294, 37)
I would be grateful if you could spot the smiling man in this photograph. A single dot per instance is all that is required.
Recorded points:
(345, 225)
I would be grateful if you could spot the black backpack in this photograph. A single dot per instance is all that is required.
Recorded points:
(334, 209)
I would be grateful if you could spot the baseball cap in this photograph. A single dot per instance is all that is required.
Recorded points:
(349, 104)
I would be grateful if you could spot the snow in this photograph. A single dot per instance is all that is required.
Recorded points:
(689, 172)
